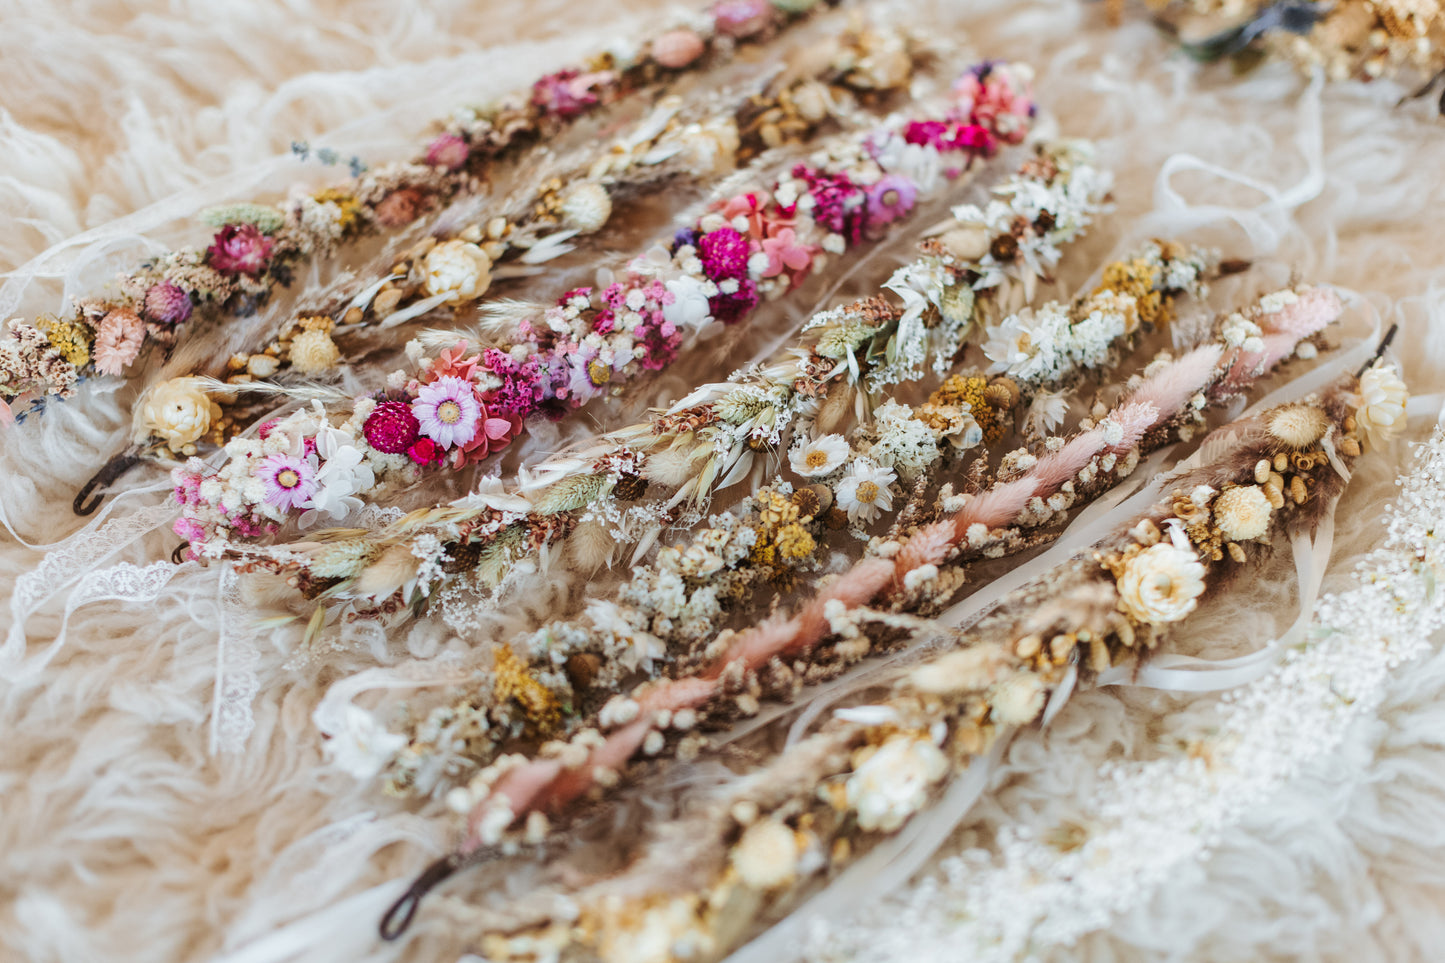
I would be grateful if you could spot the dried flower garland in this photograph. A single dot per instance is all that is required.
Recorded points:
(707, 443)
(1352, 39)
(872, 769)
(450, 271)
(260, 246)
(752, 246)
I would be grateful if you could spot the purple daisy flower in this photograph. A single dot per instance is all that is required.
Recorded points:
(448, 411)
(889, 199)
(290, 481)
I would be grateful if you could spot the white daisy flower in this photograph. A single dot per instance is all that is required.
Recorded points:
(820, 457)
(865, 491)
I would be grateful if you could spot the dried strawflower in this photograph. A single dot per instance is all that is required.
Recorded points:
(891, 783)
(178, 412)
(313, 352)
(457, 268)
(118, 339)
(1381, 414)
(1161, 584)
(167, 303)
(1242, 513)
(677, 48)
(766, 856)
(586, 207)
(239, 249)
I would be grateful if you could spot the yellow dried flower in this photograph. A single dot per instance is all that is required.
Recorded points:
(513, 681)
(350, 208)
(1137, 279)
(71, 339)
(794, 542)
(973, 391)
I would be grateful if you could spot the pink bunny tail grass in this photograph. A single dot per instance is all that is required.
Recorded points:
(522, 787)
(1170, 389)
(858, 586)
(996, 507)
(758, 644)
(612, 754)
(1314, 310)
(928, 546)
(1134, 420)
(1058, 467)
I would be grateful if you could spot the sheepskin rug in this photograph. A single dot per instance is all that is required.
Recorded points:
(127, 837)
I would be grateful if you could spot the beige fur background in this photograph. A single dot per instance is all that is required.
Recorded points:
(123, 838)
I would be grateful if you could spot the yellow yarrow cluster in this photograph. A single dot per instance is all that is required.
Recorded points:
(513, 681)
(1137, 278)
(970, 390)
(349, 206)
(71, 339)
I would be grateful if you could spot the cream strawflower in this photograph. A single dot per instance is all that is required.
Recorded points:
(586, 207)
(892, 783)
(865, 490)
(819, 457)
(1381, 414)
(313, 352)
(767, 855)
(178, 412)
(1242, 513)
(1161, 584)
(458, 268)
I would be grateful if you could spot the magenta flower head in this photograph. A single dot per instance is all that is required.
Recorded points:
(448, 151)
(239, 249)
(724, 254)
(290, 481)
(448, 411)
(167, 303)
(889, 199)
(732, 308)
(391, 427)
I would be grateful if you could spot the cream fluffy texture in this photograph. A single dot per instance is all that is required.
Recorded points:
(125, 840)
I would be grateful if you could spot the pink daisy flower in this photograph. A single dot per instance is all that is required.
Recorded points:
(290, 481)
(448, 411)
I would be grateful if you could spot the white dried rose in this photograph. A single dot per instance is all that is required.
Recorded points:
(177, 412)
(892, 783)
(1381, 414)
(1242, 513)
(458, 268)
(1161, 584)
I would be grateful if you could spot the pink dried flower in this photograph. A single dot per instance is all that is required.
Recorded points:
(290, 481)
(448, 411)
(568, 93)
(677, 48)
(495, 432)
(724, 254)
(424, 451)
(400, 207)
(391, 427)
(118, 339)
(731, 308)
(239, 249)
(750, 207)
(742, 18)
(451, 363)
(167, 303)
(889, 199)
(449, 151)
(785, 253)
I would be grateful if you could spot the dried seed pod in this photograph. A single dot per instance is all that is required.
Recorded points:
(1297, 490)
(1261, 471)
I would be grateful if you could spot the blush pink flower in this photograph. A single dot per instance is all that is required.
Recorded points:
(449, 151)
(786, 253)
(451, 363)
(741, 18)
(568, 93)
(118, 339)
(889, 199)
(289, 481)
(239, 249)
(495, 432)
(448, 411)
(167, 303)
(750, 207)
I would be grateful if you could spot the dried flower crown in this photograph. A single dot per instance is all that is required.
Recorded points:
(258, 247)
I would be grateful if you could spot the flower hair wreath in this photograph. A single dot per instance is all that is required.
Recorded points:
(602, 488)
(258, 247)
(877, 764)
(467, 402)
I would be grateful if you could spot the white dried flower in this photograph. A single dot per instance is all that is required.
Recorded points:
(586, 207)
(178, 412)
(766, 856)
(819, 457)
(313, 352)
(1161, 584)
(892, 783)
(1242, 513)
(458, 268)
(1381, 414)
(865, 491)
(1018, 700)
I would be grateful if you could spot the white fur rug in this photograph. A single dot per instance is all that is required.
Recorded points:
(125, 838)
